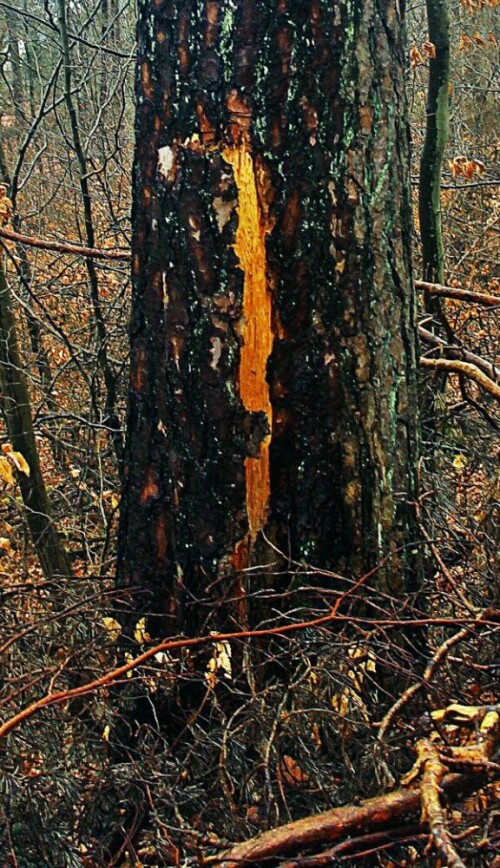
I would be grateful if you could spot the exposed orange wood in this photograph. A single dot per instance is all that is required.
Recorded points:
(161, 536)
(150, 490)
(257, 334)
(147, 83)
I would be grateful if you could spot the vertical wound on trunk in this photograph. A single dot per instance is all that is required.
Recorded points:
(257, 335)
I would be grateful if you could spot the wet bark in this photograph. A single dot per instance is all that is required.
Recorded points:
(273, 325)
(17, 409)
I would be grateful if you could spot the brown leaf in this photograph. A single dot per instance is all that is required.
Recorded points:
(415, 57)
(292, 772)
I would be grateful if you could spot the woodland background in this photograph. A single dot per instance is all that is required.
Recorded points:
(74, 791)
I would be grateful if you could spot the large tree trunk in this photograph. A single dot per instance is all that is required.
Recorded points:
(273, 325)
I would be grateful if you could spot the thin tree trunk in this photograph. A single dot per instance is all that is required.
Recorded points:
(436, 137)
(110, 418)
(17, 87)
(17, 408)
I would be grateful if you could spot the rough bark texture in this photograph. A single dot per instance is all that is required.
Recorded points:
(273, 325)
(17, 409)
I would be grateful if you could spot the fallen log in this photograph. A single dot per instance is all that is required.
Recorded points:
(389, 811)
(381, 812)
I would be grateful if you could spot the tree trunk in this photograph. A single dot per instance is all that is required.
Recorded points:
(16, 404)
(436, 138)
(273, 337)
(429, 194)
(16, 88)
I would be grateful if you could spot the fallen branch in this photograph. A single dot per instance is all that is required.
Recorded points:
(469, 295)
(63, 247)
(455, 366)
(362, 846)
(115, 675)
(489, 617)
(433, 771)
(382, 812)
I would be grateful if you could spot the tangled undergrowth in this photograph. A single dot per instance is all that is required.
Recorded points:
(200, 747)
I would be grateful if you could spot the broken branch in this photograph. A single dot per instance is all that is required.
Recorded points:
(384, 812)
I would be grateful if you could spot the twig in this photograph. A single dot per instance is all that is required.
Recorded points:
(446, 573)
(430, 669)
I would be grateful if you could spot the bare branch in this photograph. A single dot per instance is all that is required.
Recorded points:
(455, 366)
(469, 295)
(64, 247)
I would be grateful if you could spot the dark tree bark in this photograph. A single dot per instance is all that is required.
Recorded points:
(273, 383)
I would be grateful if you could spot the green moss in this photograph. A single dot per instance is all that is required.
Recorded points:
(226, 37)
